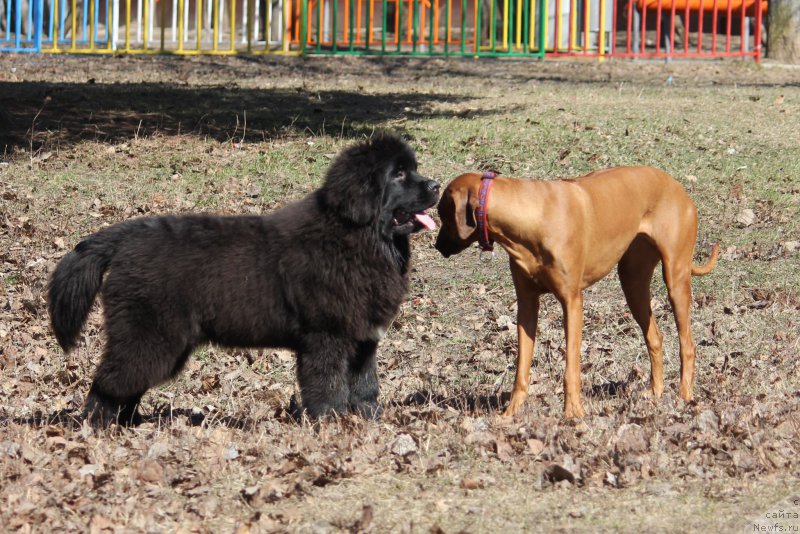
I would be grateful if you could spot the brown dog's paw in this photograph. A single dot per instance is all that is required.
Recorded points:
(573, 410)
(516, 402)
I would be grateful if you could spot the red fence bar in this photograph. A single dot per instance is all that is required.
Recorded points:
(642, 39)
(630, 27)
(658, 28)
(672, 12)
(715, 10)
(687, 29)
(700, 31)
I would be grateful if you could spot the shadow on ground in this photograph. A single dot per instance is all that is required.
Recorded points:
(162, 415)
(466, 402)
(36, 114)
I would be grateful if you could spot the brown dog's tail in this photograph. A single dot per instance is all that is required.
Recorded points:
(707, 267)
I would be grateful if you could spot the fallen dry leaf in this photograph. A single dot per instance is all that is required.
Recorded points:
(149, 470)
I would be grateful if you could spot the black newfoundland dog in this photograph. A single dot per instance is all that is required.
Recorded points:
(323, 276)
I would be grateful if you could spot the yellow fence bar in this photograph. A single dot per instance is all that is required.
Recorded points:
(586, 22)
(199, 9)
(56, 21)
(233, 26)
(146, 23)
(532, 25)
(287, 35)
(573, 22)
(91, 24)
(181, 7)
(505, 23)
(74, 31)
(216, 24)
(128, 25)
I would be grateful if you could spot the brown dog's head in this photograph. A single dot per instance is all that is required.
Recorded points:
(457, 212)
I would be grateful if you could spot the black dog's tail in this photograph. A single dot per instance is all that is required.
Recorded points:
(76, 281)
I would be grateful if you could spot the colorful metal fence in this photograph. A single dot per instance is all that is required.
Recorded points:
(528, 28)
(424, 27)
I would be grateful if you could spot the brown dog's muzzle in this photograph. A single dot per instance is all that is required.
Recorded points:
(447, 246)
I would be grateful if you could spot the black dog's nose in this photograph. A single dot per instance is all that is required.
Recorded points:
(432, 186)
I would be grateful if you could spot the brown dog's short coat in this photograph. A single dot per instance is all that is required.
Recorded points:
(564, 235)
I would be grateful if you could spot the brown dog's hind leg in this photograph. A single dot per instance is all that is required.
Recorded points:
(573, 325)
(635, 272)
(527, 322)
(678, 278)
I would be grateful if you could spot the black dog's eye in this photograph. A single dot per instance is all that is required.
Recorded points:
(400, 174)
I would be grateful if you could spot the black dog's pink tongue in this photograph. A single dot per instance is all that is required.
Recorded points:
(425, 220)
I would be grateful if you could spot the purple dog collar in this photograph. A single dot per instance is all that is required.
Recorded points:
(486, 244)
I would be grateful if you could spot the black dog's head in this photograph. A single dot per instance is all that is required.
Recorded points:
(376, 182)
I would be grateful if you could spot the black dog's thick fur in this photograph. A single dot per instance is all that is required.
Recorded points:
(323, 276)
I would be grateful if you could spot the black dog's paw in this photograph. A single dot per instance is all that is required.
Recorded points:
(371, 411)
(294, 412)
(102, 412)
(316, 411)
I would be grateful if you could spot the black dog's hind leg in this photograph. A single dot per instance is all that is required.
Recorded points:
(102, 409)
(130, 366)
(322, 373)
(363, 377)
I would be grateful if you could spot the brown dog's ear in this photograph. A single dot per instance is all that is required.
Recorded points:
(465, 213)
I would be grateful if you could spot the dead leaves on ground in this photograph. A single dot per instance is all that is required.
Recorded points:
(218, 442)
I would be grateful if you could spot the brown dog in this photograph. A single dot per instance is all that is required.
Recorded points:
(564, 235)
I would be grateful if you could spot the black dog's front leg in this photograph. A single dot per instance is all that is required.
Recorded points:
(322, 369)
(364, 381)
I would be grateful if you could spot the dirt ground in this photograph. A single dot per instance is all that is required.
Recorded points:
(89, 141)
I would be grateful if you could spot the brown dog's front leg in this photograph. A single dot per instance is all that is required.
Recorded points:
(527, 321)
(573, 324)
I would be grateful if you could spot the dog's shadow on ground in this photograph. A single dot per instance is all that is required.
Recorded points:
(610, 389)
(476, 403)
(463, 402)
(160, 417)
(63, 418)
(467, 403)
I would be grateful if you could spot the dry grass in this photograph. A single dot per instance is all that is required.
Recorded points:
(218, 452)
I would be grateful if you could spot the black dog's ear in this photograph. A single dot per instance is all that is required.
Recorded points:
(355, 198)
(353, 186)
(355, 181)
